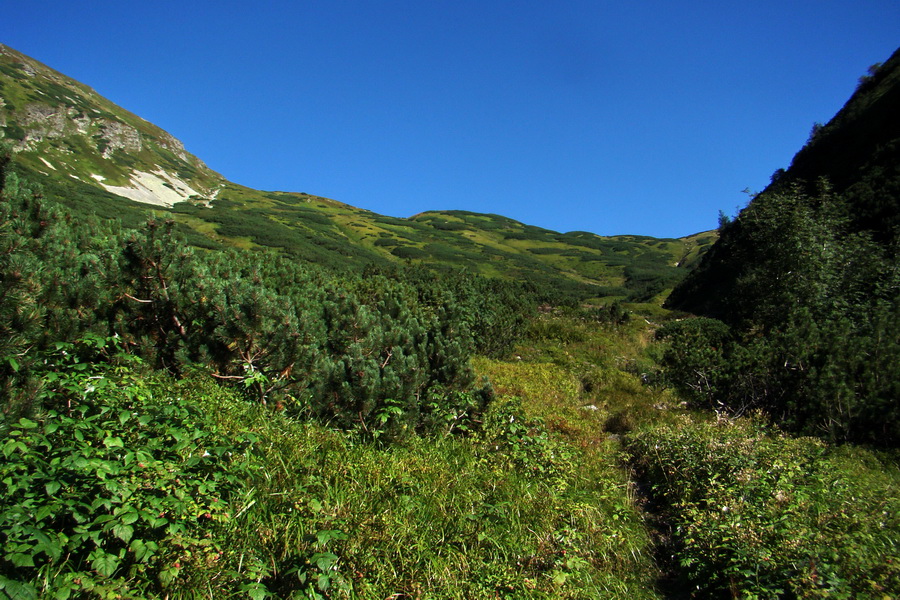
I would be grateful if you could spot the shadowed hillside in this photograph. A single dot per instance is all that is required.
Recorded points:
(856, 154)
(806, 285)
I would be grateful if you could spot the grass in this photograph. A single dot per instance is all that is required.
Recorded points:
(535, 505)
(438, 518)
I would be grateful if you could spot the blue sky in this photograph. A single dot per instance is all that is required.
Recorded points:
(641, 117)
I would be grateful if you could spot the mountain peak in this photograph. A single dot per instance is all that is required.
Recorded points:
(58, 124)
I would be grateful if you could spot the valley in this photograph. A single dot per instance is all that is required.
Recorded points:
(235, 393)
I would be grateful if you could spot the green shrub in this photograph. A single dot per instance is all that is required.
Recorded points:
(409, 252)
(813, 300)
(695, 360)
(114, 489)
(758, 514)
(362, 353)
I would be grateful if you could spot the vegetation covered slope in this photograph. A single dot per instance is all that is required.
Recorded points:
(857, 153)
(806, 282)
(128, 471)
(97, 158)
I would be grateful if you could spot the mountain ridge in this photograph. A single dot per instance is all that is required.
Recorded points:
(97, 157)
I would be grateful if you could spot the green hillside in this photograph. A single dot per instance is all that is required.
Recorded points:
(806, 283)
(97, 158)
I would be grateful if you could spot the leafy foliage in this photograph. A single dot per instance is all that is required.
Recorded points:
(758, 514)
(814, 317)
(114, 488)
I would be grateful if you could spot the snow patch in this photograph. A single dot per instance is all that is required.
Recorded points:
(47, 162)
(158, 188)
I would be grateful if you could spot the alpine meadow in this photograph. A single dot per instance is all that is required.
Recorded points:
(213, 391)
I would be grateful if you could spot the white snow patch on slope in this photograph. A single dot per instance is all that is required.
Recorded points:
(158, 188)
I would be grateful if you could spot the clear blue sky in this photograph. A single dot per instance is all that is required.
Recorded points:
(618, 117)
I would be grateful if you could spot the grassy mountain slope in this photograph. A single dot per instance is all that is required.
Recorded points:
(96, 157)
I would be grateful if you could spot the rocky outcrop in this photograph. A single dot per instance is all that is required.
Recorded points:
(119, 136)
(173, 145)
(46, 115)
(43, 122)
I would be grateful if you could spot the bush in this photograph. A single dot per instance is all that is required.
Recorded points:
(813, 301)
(361, 353)
(694, 358)
(757, 514)
(409, 252)
(114, 488)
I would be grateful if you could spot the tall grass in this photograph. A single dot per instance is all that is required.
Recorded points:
(507, 513)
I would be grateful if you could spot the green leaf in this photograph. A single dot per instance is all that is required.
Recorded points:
(158, 522)
(20, 560)
(104, 502)
(113, 442)
(17, 589)
(45, 511)
(326, 535)
(103, 563)
(52, 487)
(48, 545)
(14, 364)
(167, 576)
(324, 560)
(123, 532)
(143, 550)
(139, 548)
(129, 517)
(99, 520)
(257, 591)
(12, 445)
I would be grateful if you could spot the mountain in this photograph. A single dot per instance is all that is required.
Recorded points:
(804, 285)
(96, 157)
(64, 128)
(856, 155)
